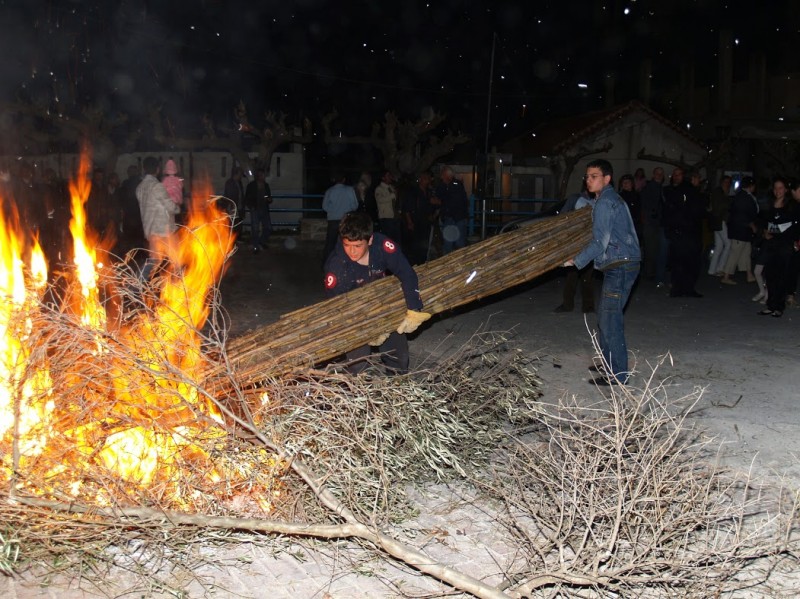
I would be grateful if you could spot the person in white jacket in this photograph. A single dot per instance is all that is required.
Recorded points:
(158, 215)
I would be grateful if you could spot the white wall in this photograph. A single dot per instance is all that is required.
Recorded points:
(632, 133)
(285, 177)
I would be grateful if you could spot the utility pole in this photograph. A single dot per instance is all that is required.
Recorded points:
(486, 140)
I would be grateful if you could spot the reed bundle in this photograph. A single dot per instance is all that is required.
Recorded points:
(330, 328)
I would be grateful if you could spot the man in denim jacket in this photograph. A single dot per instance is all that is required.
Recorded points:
(615, 251)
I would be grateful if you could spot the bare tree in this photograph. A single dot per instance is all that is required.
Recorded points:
(274, 133)
(408, 147)
(34, 128)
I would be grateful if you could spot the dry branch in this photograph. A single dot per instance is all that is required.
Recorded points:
(407, 554)
(328, 329)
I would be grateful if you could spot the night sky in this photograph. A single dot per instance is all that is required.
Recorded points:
(305, 57)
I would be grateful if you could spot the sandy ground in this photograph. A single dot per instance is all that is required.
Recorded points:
(744, 365)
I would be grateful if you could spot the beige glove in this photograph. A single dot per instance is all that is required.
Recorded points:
(378, 341)
(412, 321)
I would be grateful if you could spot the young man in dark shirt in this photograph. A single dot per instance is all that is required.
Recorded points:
(359, 257)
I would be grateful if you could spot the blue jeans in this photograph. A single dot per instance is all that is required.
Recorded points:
(617, 285)
(261, 225)
(454, 234)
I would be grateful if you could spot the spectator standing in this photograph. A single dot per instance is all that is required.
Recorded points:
(386, 200)
(615, 251)
(628, 192)
(257, 198)
(741, 230)
(780, 231)
(366, 195)
(655, 244)
(717, 214)
(234, 192)
(794, 262)
(339, 199)
(454, 211)
(158, 216)
(172, 182)
(682, 219)
(100, 213)
(639, 181)
(417, 217)
(131, 231)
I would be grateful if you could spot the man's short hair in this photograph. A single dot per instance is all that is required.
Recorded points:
(748, 182)
(356, 226)
(604, 166)
(150, 165)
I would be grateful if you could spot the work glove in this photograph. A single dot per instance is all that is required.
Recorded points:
(378, 341)
(412, 321)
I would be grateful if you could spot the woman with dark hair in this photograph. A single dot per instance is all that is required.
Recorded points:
(794, 262)
(779, 229)
(628, 193)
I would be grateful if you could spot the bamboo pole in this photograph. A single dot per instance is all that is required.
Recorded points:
(332, 327)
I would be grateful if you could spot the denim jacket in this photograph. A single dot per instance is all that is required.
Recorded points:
(614, 240)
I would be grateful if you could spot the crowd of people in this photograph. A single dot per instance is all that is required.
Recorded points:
(685, 229)
(424, 217)
(139, 212)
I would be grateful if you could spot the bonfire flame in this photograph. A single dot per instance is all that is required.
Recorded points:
(125, 401)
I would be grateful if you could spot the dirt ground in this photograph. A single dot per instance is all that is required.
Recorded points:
(744, 365)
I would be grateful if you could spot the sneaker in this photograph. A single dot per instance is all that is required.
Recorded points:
(727, 281)
(758, 296)
(606, 381)
(777, 314)
(767, 312)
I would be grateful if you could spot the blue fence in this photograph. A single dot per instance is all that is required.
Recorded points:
(490, 214)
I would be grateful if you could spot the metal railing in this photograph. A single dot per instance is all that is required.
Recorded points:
(486, 216)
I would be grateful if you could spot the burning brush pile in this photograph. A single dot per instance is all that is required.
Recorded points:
(118, 450)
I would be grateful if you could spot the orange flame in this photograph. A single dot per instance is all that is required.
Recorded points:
(85, 242)
(19, 392)
(145, 413)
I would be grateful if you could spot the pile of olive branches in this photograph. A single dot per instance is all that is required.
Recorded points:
(624, 497)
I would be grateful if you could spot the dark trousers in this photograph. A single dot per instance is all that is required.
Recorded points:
(651, 238)
(586, 277)
(793, 273)
(776, 271)
(685, 258)
(416, 243)
(394, 355)
(261, 226)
